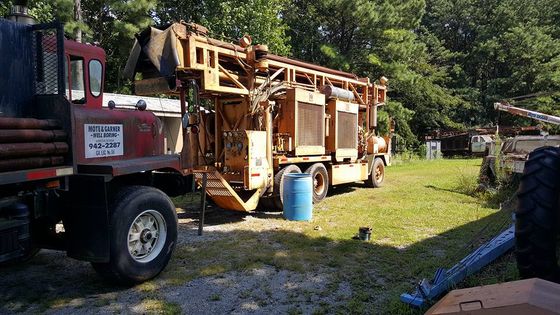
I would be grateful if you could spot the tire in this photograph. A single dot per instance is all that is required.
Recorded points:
(320, 177)
(377, 176)
(150, 215)
(277, 198)
(536, 225)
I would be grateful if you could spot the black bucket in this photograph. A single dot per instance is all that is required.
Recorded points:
(364, 233)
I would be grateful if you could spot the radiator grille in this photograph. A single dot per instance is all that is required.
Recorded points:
(310, 125)
(347, 131)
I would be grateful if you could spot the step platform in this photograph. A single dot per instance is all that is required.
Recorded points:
(223, 195)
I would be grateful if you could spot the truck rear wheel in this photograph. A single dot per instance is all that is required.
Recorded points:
(320, 177)
(143, 234)
(377, 175)
(279, 183)
(536, 225)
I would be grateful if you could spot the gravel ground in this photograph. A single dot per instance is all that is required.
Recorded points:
(54, 284)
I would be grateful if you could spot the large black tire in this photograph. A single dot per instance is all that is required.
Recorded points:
(536, 225)
(320, 177)
(377, 176)
(148, 214)
(277, 198)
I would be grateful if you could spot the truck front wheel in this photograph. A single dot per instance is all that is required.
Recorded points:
(143, 233)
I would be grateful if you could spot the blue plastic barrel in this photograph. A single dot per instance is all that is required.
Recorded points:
(297, 196)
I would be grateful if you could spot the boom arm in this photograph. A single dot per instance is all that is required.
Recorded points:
(527, 113)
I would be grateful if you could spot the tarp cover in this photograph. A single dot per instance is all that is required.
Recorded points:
(156, 46)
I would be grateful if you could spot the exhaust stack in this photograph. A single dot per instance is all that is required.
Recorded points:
(20, 14)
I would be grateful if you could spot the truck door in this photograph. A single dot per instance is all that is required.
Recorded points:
(477, 145)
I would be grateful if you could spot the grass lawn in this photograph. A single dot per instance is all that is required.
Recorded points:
(423, 218)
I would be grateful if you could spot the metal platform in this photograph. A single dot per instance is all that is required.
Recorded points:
(223, 194)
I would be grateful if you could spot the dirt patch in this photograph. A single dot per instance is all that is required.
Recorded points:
(53, 283)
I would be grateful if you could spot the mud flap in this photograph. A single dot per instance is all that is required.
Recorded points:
(86, 220)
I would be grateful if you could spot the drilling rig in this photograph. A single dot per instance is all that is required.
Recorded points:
(250, 116)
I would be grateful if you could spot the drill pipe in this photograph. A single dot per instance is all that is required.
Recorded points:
(29, 163)
(16, 150)
(31, 135)
(28, 123)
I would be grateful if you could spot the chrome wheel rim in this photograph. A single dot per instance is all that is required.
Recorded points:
(146, 236)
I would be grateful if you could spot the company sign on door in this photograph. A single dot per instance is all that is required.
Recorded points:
(103, 140)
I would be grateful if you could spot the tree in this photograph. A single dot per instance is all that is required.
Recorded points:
(230, 19)
(112, 24)
(169, 11)
(374, 38)
(499, 50)
(5, 8)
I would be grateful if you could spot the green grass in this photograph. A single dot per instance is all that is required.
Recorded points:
(422, 219)
(159, 306)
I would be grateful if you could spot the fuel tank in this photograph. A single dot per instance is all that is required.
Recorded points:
(376, 145)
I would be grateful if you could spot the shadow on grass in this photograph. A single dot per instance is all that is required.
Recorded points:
(216, 216)
(190, 204)
(343, 189)
(503, 195)
(456, 191)
(213, 215)
(47, 280)
(377, 274)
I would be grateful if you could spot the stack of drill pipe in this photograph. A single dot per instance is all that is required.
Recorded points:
(27, 143)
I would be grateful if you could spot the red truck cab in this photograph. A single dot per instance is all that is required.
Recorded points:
(104, 135)
(84, 73)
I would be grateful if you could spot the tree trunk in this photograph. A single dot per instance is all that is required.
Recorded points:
(78, 18)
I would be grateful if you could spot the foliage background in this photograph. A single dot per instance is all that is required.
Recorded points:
(448, 61)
